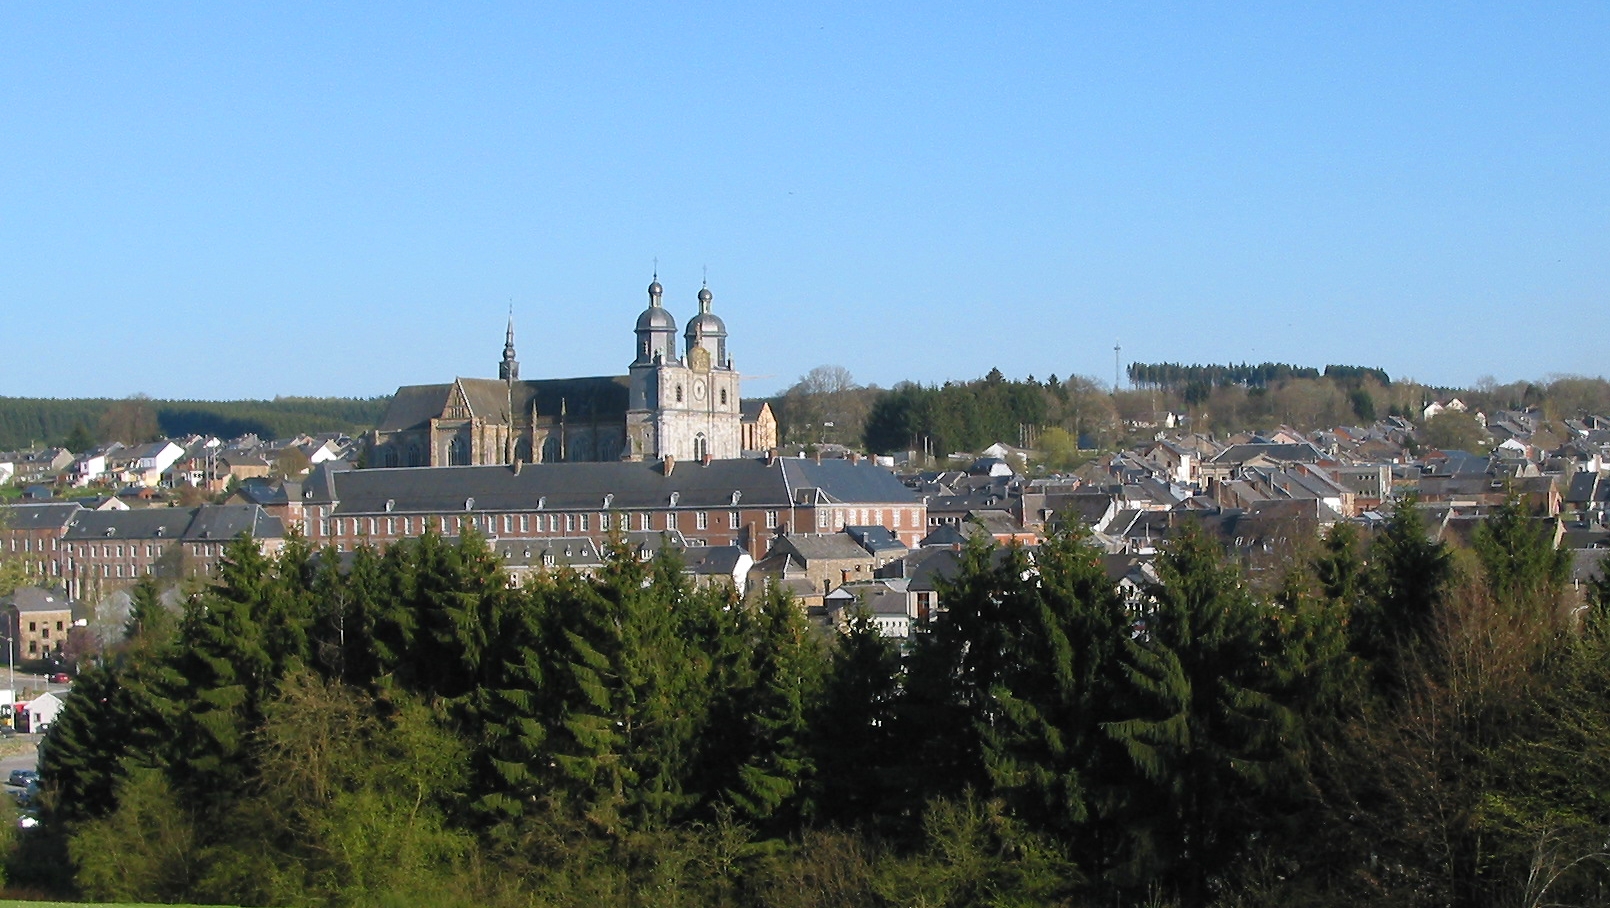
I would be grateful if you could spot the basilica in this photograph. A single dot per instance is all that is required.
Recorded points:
(682, 404)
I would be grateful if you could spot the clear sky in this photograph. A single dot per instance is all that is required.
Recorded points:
(226, 200)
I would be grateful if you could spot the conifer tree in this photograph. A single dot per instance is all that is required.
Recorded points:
(852, 729)
(787, 667)
(1408, 575)
(1211, 735)
(1519, 559)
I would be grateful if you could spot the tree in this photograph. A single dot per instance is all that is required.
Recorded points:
(1453, 430)
(1407, 577)
(1211, 735)
(853, 723)
(131, 421)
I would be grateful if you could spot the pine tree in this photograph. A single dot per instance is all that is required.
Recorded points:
(1211, 735)
(852, 729)
(787, 667)
(1408, 575)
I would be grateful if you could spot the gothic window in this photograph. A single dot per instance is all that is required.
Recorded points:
(413, 456)
(522, 450)
(550, 449)
(678, 393)
(388, 456)
(701, 446)
(458, 451)
(723, 397)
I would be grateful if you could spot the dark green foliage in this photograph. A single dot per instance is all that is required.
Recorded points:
(1407, 578)
(25, 421)
(852, 736)
(1519, 558)
(407, 729)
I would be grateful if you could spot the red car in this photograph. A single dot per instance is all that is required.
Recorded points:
(60, 678)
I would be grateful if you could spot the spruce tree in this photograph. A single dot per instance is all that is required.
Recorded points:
(1211, 734)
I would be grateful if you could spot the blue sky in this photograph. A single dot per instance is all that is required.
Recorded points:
(243, 200)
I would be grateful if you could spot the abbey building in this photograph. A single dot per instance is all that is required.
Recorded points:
(683, 404)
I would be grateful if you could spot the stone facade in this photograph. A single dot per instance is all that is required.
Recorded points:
(682, 404)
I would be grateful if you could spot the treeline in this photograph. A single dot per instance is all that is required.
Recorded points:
(1389, 722)
(955, 416)
(1178, 377)
(37, 421)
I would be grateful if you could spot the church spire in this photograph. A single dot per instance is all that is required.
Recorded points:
(509, 369)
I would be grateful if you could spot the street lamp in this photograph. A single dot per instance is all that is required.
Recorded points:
(11, 668)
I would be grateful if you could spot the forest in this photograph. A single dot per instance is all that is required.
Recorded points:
(79, 424)
(1080, 412)
(1383, 720)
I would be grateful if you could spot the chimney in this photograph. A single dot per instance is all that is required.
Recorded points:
(855, 458)
(517, 462)
(705, 460)
(818, 455)
(771, 456)
(668, 465)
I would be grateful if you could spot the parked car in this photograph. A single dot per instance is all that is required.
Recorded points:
(21, 777)
(60, 678)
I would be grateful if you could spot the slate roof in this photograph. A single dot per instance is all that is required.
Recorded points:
(1301, 453)
(585, 486)
(878, 540)
(34, 599)
(220, 522)
(54, 515)
(226, 521)
(582, 400)
(822, 547)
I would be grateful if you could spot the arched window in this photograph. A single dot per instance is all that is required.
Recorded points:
(701, 446)
(678, 393)
(388, 456)
(550, 449)
(414, 460)
(458, 451)
(723, 397)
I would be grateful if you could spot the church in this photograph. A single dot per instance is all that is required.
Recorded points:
(680, 404)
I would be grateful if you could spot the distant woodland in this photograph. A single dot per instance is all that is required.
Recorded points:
(80, 423)
(827, 405)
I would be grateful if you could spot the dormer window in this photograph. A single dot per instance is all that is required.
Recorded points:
(542, 502)
(609, 500)
(736, 495)
(390, 503)
(675, 497)
(469, 504)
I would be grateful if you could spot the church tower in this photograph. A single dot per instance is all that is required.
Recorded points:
(684, 408)
(509, 369)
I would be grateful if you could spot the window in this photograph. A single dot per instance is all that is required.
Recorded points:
(508, 523)
(701, 520)
(33, 626)
(570, 523)
(678, 393)
(732, 519)
(821, 520)
(58, 625)
(771, 520)
(643, 521)
(670, 520)
(525, 523)
(583, 520)
(723, 397)
(603, 522)
(391, 526)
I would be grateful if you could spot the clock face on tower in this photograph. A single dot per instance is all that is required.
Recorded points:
(698, 389)
(699, 359)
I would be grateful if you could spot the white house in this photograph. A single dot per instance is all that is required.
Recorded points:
(150, 461)
(41, 711)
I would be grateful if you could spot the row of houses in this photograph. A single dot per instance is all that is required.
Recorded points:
(203, 462)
